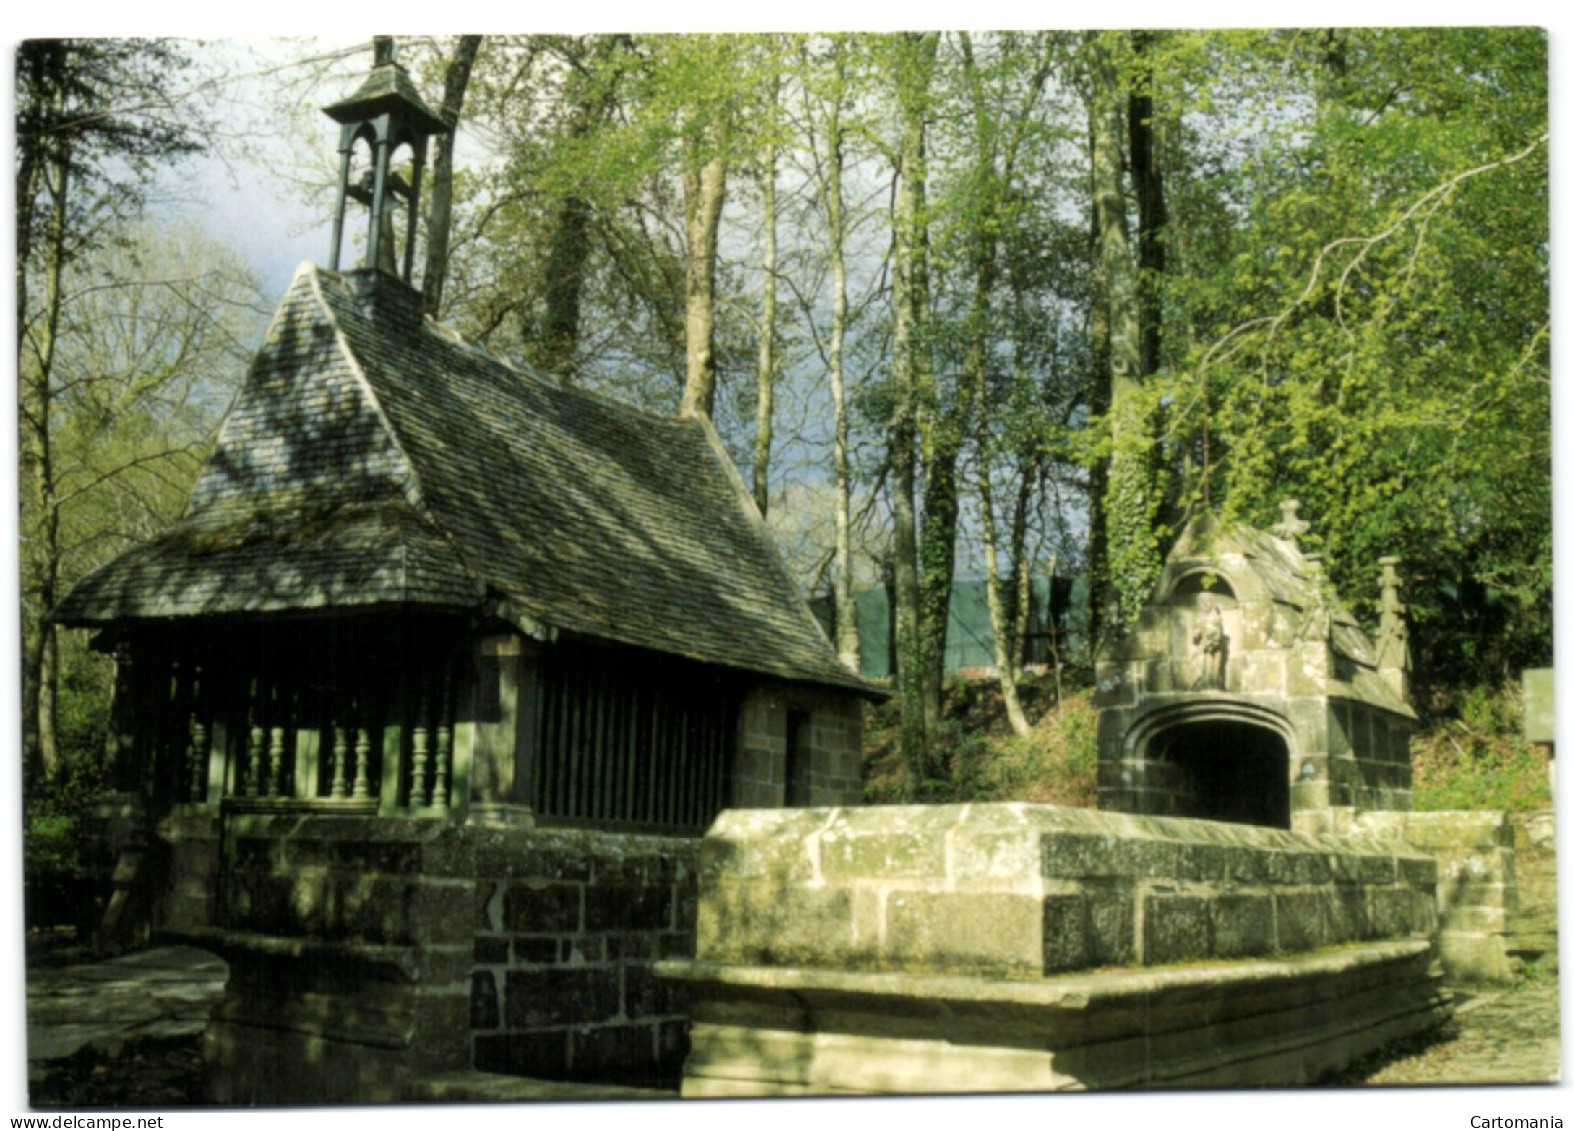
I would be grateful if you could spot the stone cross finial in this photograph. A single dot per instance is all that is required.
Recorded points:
(1393, 634)
(1290, 525)
(382, 50)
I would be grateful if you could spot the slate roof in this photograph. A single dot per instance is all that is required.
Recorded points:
(375, 458)
(387, 88)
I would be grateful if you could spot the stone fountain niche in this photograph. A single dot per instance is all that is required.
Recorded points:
(1247, 693)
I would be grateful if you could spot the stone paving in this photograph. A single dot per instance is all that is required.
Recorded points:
(159, 994)
(1502, 1037)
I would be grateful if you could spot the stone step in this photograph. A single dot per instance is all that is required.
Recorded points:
(1540, 942)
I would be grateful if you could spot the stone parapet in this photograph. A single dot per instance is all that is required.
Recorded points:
(990, 948)
(367, 954)
(1477, 890)
(1024, 890)
(187, 897)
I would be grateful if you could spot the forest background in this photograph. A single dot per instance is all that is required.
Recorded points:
(989, 304)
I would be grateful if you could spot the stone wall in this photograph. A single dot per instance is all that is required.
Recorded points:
(349, 944)
(785, 729)
(1023, 890)
(189, 892)
(1477, 893)
(567, 927)
(1020, 947)
(366, 954)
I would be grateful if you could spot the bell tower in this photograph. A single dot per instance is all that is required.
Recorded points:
(387, 113)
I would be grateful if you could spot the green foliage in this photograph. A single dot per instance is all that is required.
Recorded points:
(981, 760)
(1474, 756)
(56, 813)
(1370, 313)
(49, 846)
(1131, 515)
(1057, 764)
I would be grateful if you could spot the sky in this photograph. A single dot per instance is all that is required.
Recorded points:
(248, 194)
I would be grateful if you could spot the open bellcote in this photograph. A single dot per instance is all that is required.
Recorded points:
(387, 113)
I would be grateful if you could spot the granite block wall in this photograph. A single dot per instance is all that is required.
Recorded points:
(567, 926)
(1026, 890)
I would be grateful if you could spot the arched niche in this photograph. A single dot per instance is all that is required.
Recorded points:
(1189, 589)
(1227, 762)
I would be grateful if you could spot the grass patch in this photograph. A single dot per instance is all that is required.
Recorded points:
(1473, 754)
(982, 759)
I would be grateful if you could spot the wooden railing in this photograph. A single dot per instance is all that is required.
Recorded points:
(326, 729)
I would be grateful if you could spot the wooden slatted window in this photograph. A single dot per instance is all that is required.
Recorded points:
(628, 738)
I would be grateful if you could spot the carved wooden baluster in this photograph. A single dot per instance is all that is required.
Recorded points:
(445, 742)
(418, 754)
(254, 761)
(362, 788)
(197, 761)
(440, 777)
(341, 779)
(275, 761)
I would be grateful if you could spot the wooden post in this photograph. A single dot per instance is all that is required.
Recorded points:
(196, 763)
(275, 760)
(418, 750)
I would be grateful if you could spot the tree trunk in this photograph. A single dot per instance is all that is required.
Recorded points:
(1023, 580)
(41, 754)
(456, 80)
(1129, 503)
(764, 413)
(988, 193)
(704, 193)
(1100, 591)
(1148, 181)
(564, 283)
(941, 428)
(847, 643)
(999, 626)
(910, 372)
(568, 244)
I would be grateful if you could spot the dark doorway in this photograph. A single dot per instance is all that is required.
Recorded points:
(1228, 771)
(797, 772)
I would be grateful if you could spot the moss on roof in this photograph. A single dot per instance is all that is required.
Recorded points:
(375, 457)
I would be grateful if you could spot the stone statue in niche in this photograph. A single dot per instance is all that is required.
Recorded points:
(1211, 644)
(1281, 629)
(1393, 633)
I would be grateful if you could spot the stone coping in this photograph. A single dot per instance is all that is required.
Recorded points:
(947, 828)
(1077, 991)
(399, 963)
